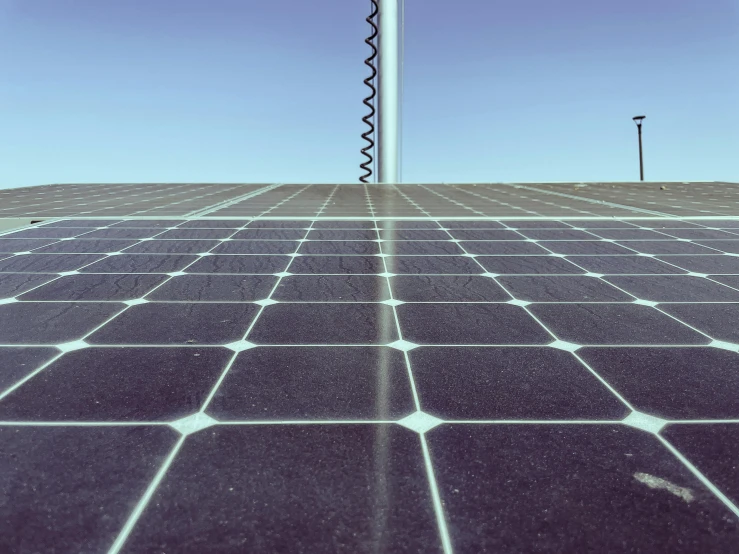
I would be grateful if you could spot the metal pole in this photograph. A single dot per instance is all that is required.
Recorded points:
(388, 132)
(641, 159)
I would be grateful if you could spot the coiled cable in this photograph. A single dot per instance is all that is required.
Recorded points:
(369, 101)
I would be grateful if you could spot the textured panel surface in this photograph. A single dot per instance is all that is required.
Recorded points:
(410, 368)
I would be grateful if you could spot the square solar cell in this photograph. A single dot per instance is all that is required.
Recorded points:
(471, 224)
(421, 248)
(720, 321)
(667, 224)
(172, 247)
(432, 265)
(337, 264)
(344, 224)
(726, 246)
(257, 247)
(485, 234)
(503, 247)
(96, 287)
(533, 224)
(492, 478)
(558, 234)
(52, 322)
(713, 449)
(394, 224)
(14, 284)
(270, 234)
(141, 263)
(96, 466)
(148, 384)
(728, 280)
(674, 288)
(239, 264)
(278, 224)
(42, 233)
(342, 234)
(447, 288)
(625, 265)
(81, 223)
(629, 234)
(309, 383)
(601, 224)
(22, 245)
(149, 223)
(325, 323)
(18, 362)
(510, 265)
(349, 247)
(469, 324)
(87, 246)
(550, 288)
(702, 234)
(613, 324)
(671, 383)
(214, 224)
(413, 234)
(509, 383)
(190, 234)
(666, 247)
(584, 247)
(47, 263)
(181, 323)
(215, 288)
(332, 288)
(324, 466)
(121, 233)
(719, 264)
(729, 224)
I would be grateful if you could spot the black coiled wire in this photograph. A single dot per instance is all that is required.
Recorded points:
(368, 81)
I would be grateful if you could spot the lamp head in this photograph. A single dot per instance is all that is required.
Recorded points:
(638, 119)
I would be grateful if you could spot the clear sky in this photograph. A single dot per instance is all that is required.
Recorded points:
(271, 91)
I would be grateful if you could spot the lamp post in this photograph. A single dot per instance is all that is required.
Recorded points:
(638, 119)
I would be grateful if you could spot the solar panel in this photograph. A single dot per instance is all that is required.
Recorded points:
(421, 368)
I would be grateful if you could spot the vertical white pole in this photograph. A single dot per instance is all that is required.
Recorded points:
(388, 136)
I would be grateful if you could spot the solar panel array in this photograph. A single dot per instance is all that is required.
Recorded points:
(140, 200)
(417, 368)
(563, 200)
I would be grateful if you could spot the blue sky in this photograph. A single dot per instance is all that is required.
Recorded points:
(255, 91)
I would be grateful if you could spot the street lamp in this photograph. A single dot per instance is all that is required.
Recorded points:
(638, 119)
